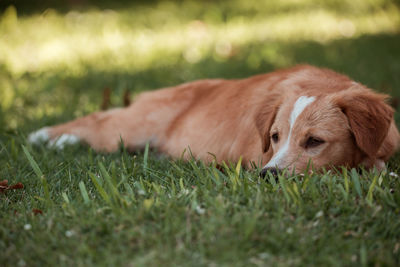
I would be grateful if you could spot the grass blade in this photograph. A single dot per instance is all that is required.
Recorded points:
(99, 188)
(39, 174)
(32, 162)
(145, 158)
(65, 197)
(84, 193)
(346, 180)
(108, 180)
(371, 189)
(238, 166)
(282, 182)
(356, 182)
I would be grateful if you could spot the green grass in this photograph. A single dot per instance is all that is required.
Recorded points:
(148, 210)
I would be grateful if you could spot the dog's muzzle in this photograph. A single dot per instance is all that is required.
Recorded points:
(273, 171)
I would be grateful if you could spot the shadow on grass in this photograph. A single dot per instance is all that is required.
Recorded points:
(48, 98)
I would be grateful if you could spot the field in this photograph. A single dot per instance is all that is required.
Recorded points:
(82, 208)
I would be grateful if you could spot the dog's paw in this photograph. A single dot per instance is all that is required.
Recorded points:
(62, 140)
(43, 136)
(39, 136)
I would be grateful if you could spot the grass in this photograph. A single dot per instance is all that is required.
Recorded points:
(146, 209)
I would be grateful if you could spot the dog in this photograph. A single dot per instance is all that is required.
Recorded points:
(287, 119)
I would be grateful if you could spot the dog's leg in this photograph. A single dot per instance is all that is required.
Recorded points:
(101, 130)
(145, 120)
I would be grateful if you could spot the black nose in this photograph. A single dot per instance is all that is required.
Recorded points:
(264, 171)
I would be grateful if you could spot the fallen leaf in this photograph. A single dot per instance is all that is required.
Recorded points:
(37, 211)
(5, 187)
(16, 186)
(350, 233)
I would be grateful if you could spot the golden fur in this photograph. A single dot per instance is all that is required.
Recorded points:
(233, 118)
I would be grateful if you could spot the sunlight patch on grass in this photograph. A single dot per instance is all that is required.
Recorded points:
(43, 56)
(115, 40)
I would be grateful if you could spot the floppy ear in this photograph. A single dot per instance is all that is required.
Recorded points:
(265, 117)
(368, 115)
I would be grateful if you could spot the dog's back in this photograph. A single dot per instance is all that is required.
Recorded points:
(228, 119)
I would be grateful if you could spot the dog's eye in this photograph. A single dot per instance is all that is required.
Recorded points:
(313, 142)
(275, 137)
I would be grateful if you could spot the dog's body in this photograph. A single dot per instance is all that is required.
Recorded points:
(283, 119)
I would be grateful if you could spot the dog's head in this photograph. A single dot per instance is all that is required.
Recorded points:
(345, 128)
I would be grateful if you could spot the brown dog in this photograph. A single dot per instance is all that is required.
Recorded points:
(284, 119)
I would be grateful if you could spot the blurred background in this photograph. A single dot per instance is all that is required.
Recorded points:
(57, 56)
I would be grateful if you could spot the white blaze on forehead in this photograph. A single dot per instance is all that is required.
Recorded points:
(301, 103)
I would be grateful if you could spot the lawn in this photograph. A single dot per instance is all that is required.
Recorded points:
(82, 208)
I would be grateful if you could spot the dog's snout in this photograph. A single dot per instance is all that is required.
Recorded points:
(273, 171)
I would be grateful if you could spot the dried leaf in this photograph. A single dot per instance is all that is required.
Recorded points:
(37, 211)
(16, 186)
(5, 187)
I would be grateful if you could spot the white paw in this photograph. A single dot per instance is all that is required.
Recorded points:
(62, 140)
(65, 139)
(40, 136)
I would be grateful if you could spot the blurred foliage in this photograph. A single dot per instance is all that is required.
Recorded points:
(57, 56)
(27, 7)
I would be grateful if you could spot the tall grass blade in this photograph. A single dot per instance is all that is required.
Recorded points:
(99, 188)
(238, 166)
(345, 194)
(39, 174)
(346, 180)
(146, 158)
(356, 182)
(84, 193)
(65, 197)
(282, 182)
(371, 189)
(32, 162)
(108, 180)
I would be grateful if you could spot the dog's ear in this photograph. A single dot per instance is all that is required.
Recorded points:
(368, 115)
(265, 117)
